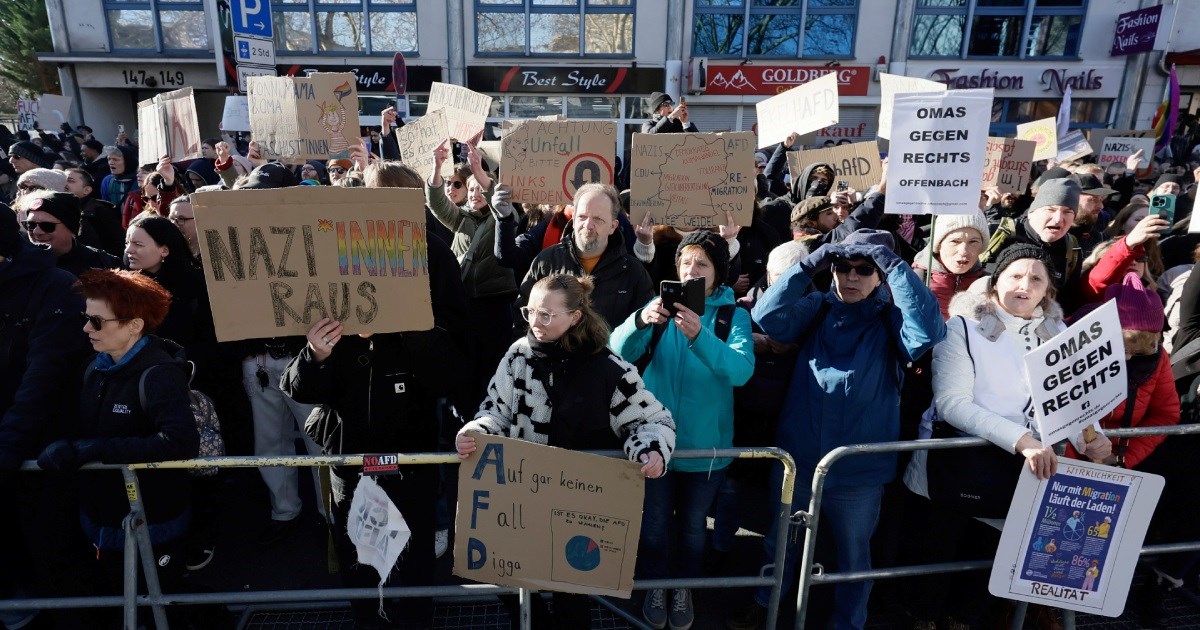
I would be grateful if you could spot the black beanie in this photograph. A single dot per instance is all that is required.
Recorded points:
(94, 145)
(10, 232)
(714, 247)
(62, 206)
(1169, 179)
(31, 152)
(1016, 252)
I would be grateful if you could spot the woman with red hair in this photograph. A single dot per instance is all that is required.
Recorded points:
(134, 408)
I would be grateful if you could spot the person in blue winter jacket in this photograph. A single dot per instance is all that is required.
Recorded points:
(692, 370)
(855, 340)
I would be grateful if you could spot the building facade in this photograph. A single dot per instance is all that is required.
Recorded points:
(601, 58)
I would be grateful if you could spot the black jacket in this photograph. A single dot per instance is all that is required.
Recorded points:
(120, 431)
(622, 284)
(83, 257)
(42, 348)
(777, 212)
(664, 124)
(100, 226)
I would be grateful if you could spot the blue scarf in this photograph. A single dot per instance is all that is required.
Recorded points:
(104, 362)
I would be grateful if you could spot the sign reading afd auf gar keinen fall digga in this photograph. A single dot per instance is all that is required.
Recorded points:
(296, 119)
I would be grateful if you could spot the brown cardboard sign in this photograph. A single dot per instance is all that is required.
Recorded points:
(1007, 163)
(418, 139)
(691, 179)
(545, 518)
(466, 110)
(546, 161)
(857, 163)
(277, 261)
(296, 119)
(167, 125)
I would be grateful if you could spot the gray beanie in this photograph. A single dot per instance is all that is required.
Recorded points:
(1057, 192)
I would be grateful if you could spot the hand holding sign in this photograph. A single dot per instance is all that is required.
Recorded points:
(653, 468)
(322, 337)
(166, 170)
(1041, 459)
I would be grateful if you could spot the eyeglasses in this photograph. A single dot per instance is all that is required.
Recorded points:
(542, 316)
(455, 184)
(97, 322)
(181, 220)
(46, 226)
(336, 170)
(154, 198)
(863, 270)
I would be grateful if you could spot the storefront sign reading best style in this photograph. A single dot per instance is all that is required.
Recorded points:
(743, 80)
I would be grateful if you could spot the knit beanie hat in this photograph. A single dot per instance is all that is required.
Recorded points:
(31, 152)
(1139, 308)
(810, 208)
(1168, 179)
(714, 247)
(657, 99)
(1057, 192)
(10, 232)
(867, 236)
(944, 224)
(54, 181)
(60, 205)
(1018, 251)
(1053, 173)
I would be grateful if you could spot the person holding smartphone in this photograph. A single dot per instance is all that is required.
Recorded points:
(695, 361)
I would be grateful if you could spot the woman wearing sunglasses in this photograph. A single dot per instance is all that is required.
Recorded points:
(134, 407)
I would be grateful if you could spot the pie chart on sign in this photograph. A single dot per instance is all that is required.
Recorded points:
(583, 554)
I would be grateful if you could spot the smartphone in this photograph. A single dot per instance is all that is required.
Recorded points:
(682, 100)
(843, 184)
(1163, 206)
(689, 294)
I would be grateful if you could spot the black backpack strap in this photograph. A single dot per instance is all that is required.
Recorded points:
(1126, 422)
(142, 388)
(644, 360)
(724, 322)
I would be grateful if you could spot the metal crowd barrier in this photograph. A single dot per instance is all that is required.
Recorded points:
(138, 547)
(810, 520)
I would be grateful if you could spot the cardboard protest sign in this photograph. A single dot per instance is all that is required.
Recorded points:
(418, 139)
(27, 114)
(53, 111)
(1007, 163)
(857, 163)
(466, 111)
(1096, 136)
(236, 116)
(936, 157)
(296, 119)
(1073, 146)
(546, 518)
(804, 108)
(892, 84)
(1072, 541)
(167, 125)
(276, 261)
(1078, 376)
(1044, 133)
(545, 162)
(692, 179)
(1115, 149)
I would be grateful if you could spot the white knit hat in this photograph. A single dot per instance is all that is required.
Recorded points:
(944, 224)
(54, 181)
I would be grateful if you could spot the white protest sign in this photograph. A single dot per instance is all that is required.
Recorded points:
(1078, 376)
(1072, 541)
(376, 527)
(892, 84)
(236, 116)
(466, 111)
(417, 141)
(804, 108)
(1115, 149)
(53, 111)
(936, 157)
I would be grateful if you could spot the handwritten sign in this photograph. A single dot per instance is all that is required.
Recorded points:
(1007, 163)
(546, 518)
(276, 261)
(1073, 541)
(892, 84)
(546, 161)
(236, 115)
(1115, 149)
(804, 108)
(27, 114)
(53, 111)
(418, 139)
(466, 111)
(296, 119)
(936, 156)
(1044, 134)
(1078, 376)
(857, 164)
(692, 179)
(167, 125)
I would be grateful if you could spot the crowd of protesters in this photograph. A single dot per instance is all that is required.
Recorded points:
(825, 323)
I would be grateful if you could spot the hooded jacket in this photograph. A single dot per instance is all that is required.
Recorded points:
(113, 188)
(778, 212)
(846, 387)
(694, 379)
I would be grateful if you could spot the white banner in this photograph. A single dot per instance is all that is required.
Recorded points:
(937, 152)
(1115, 149)
(804, 108)
(1078, 376)
(892, 84)
(236, 116)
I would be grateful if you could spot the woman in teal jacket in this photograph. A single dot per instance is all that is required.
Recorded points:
(692, 371)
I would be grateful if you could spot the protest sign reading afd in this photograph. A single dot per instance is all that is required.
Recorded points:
(545, 161)
(804, 108)
(547, 518)
(296, 119)
(857, 163)
(691, 179)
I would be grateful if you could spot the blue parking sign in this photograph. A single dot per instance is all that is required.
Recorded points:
(252, 17)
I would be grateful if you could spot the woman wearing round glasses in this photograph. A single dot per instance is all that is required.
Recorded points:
(119, 424)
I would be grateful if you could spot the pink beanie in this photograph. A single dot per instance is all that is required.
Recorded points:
(1139, 308)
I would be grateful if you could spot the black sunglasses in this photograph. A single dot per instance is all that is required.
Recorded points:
(97, 322)
(863, 270)
(455, 184)
(46, 226)
(337, 170)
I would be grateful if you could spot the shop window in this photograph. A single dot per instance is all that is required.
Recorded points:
(1013, 29)
(790, 29)
(373, 27)
(1007, 113)
(554, 27)
(175, 25)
